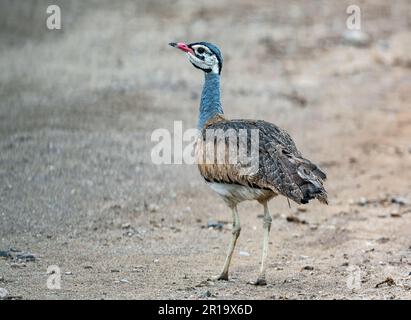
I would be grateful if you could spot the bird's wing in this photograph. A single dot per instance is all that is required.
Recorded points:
(281, 167)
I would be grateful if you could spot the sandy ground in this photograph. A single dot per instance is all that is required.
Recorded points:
(78, 188)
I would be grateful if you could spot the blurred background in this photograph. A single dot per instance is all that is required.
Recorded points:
(78, 106)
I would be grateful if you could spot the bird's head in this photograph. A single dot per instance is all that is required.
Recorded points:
(203, 55)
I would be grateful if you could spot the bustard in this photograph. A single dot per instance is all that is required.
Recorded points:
(281, 168)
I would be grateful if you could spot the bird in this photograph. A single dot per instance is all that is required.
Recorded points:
(281, 170)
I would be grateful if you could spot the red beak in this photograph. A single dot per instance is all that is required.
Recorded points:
(182, 46)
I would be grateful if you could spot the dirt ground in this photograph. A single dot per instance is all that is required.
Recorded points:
(78, 189)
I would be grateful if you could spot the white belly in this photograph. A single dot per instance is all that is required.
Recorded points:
(235, 193)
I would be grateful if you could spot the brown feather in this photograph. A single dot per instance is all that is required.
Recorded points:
(281, 169)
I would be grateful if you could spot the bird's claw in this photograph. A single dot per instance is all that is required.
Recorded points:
(221, 277)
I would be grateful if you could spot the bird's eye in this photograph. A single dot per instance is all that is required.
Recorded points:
(200, 50)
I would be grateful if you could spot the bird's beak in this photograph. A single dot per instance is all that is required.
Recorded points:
(182, 46)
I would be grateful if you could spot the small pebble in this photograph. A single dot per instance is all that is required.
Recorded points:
(18, 265)
(206, 294)
(3, 293)
(153, 207)
(402, 201)
(124, 281)
(308, 268)
(26, 257)
(215, 225)
(383, 240)
(5, 254)
(187, 210)
(295, 219)
(362, 201)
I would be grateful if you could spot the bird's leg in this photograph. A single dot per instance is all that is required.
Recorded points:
(267, 226)
(236, 233)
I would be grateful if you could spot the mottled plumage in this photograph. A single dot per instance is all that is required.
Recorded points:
(280, 169)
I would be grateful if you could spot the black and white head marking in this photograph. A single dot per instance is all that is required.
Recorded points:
(205, 57)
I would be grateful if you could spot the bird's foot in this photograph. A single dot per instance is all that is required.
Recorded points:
(221, 277)
(259, 282)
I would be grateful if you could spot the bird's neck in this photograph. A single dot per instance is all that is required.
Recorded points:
(210, 104)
